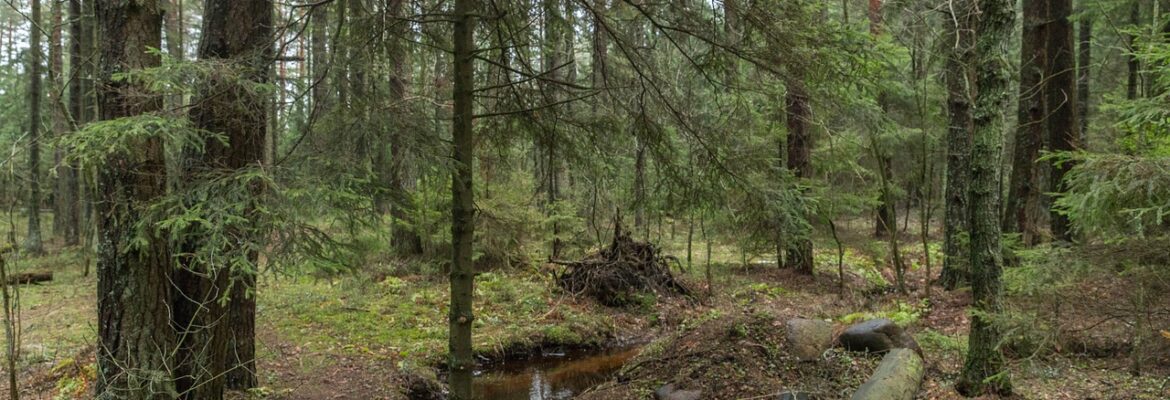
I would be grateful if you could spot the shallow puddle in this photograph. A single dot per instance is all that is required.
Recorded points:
(550, 376)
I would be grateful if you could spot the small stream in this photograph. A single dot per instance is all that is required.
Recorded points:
(550, 376)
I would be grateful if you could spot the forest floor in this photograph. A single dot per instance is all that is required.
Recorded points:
(375, 336)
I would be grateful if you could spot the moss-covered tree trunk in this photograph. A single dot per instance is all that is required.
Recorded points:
(133, 275)
(1023, 201)
(983, 369)
(463, 205)
(958, 21)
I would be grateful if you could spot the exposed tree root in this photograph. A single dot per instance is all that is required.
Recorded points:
(617, 274)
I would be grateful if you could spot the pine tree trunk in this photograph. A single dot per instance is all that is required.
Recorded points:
(640, 183)
(56, 82)
(1084, 71)
(133, 279)
(799, 114)
(983, 370)
(958, 142)
(1061, 98)
(1132, 64)
(319, 57)
(221, 351)
(406, 238)
(71, 175)
(1023, 194)
(463, 205)
(32, 242)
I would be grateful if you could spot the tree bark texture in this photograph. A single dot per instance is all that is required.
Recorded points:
(959, 23)
(133, 279)
(799, 115)
(1061, 97)
(983, 370)
(33, 243)
(462, 276)
(1023, 202)
(220, 351)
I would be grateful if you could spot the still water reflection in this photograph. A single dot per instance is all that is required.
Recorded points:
(555, 376)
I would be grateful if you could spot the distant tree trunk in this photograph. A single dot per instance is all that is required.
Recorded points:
(1084, 71)
(133, 278)
(318, 55)
(1132, 64)
(173, 30)
(600, 50)
(405, 238)
(71, 210)
(61, 195)
(983, 370)
(958, 142)
(557, 38)
(799, 115)
(1061, 97)
(32, 242)
(1023, 199)
(173, 21)
(341, 73)
(463, 205)
(640, 183)
(885, 220)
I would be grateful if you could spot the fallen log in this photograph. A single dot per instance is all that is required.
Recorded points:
(30, 277)
(898, 377)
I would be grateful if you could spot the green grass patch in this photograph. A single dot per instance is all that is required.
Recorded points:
(407, 317)
(901, 313)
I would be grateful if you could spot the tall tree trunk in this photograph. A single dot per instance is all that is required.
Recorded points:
(319, 63)
(983, 370)
(1023, 202)
(341, 47)
(133, 278)
(463, 205)
(174, 32)
(1084, 71)
(799, 115)
(61, 195)
(885, 220)
(71, 174)
(1061, 98)
(600, 52)
(1132, 64)
(240, 33)
(958, 142)
(405, 237)
(32, 242)
(173, 21)
(554, 51)
(640, 182)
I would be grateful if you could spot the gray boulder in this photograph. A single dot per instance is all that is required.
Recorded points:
(898, 377)
(808, 338)
(670, 392)
(877, 336)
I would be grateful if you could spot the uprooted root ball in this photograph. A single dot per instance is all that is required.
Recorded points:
(618, 274)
